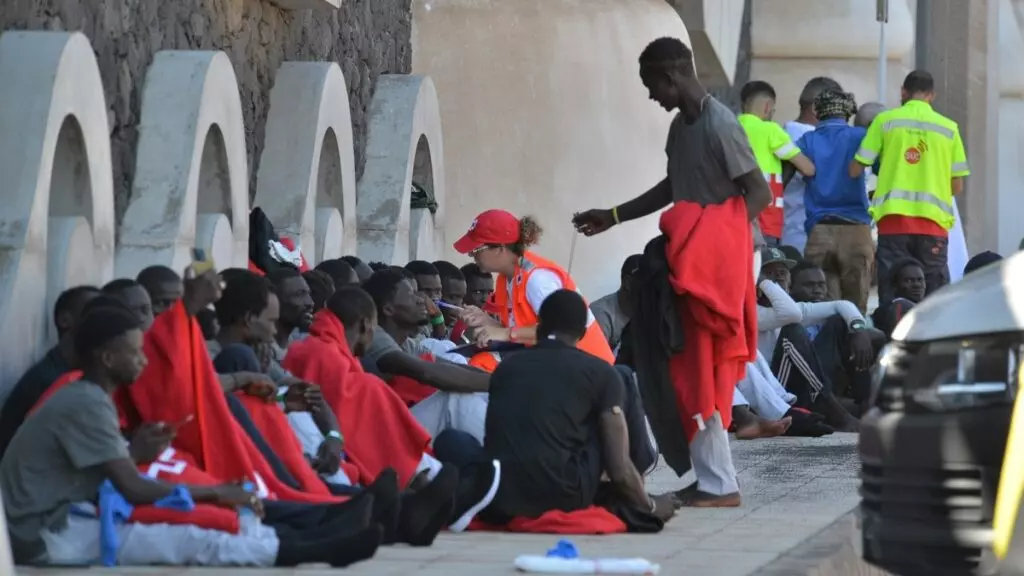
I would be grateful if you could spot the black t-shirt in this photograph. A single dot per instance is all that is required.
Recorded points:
(29, 389)
(543, 425)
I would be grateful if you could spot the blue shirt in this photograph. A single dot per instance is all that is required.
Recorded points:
(831, 192)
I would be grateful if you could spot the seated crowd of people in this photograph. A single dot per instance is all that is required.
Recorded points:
(282, 416)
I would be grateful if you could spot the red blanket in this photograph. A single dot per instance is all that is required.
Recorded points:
(711, 271)
(379, 430)
(273, 425)
(593, 520)
(180, 381)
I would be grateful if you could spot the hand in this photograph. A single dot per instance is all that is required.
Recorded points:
(862, 354)
(235, 496)
(256, 384)
(476, 318)
(665, 506)
(149, 440)
(432, 308)
(303, 397)
(201, 291)
(328, 456)
(488, 334)
(593, 222)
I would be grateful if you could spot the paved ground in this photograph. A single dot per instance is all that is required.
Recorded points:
(792, 490)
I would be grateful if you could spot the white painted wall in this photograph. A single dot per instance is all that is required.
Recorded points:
(544, 114)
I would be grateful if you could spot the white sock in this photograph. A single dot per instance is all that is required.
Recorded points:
(431, 465)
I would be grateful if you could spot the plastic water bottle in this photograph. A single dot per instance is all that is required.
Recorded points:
(247, 520)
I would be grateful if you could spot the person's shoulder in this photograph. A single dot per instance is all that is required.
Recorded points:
(722, 114)
(76, 395)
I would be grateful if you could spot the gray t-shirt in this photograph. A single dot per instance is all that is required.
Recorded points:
(383, 344)
(705, 158)
(610, 318)
(54, 460)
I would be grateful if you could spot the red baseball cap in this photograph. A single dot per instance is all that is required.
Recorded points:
(490, 227)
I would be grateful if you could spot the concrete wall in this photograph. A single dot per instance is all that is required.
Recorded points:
(366, 37)
(544, 114)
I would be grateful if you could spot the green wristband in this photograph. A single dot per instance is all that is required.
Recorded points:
(437, 320)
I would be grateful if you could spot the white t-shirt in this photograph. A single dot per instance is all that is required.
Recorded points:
(541, 284)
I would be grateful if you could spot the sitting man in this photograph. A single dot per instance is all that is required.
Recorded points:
(72, 444)
(907, 283)
(362, 269)
(611, 311)
(839, 337)
(38, 379)
(453, 292)
(248, 313)
(163, 285)
(321, 286)
(557, 427)
(457, 400)
(427, 280)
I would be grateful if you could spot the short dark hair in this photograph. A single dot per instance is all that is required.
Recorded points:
(350, 304)
(919, 82)
(981, 260)
(403, 271)
(72, 300)
(103, 301)
(377, 265)
(278, 277)
(422, 268)
(351, 260)
(383, 286)
(814, 87)
(336, 268)
(755, 89)
(631, 265)
(119, 285)
(156, 274)
(448, 271)
(563, 312)
(243, 295)
(99, 326)
(802, 266)
(667, 54)
(899, 266)
(472, 270)
(321, 286)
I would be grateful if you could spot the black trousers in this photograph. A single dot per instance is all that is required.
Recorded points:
(795, 363)
(832, 349)
(930, 251)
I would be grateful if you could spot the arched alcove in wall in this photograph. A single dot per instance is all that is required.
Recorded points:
(422, 240)
(57, 222)
(404, 122)
(306, 180)
(191, 169)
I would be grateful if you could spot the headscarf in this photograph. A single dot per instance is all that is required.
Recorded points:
(832, 103)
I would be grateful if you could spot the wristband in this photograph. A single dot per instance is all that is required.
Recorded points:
(437, 320)
(857, 325)
(512, 335)
(336, 435)
(615, 214)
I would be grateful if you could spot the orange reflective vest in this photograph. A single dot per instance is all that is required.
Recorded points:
(516, 305)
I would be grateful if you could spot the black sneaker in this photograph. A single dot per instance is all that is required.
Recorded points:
(475, 493)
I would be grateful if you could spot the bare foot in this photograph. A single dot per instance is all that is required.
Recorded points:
(704, 500)
(763, 428)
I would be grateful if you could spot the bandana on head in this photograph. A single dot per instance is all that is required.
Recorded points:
(832, 103)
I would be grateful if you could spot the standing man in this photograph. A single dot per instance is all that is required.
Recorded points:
(793, 233)
(923, 164)
(838, 224)
(710, 167)
(771, 146)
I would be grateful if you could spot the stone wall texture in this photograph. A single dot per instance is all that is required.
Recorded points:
(366, 37)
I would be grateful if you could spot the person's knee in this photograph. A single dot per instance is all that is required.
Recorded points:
(457, 447)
